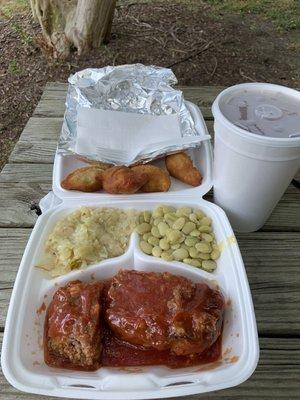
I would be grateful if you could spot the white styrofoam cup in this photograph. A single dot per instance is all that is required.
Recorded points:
(251, 172)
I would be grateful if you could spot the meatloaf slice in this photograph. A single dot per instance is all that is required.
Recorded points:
(72, 337)
(163, 311)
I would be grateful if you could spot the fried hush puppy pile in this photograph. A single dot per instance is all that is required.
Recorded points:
(145, 178)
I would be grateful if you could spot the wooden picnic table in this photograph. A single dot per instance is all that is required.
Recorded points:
(271, 256)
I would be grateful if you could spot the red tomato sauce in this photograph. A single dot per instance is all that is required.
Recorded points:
(115, 352)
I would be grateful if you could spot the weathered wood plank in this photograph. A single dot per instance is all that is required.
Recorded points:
(271, 260)
(52, 103)
(276, 376)
(38, 141)
(272, 265)
(12, 245)
(17, 201)
(27, 173)
(56, 86)
(286, 215)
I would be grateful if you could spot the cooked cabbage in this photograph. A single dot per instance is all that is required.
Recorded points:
(87, 236)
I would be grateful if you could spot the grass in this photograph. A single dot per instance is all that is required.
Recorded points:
(284, 13)
(25, 38)
(14, 68)
(9, 8)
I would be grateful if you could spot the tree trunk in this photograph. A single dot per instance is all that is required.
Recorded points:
(83, 24)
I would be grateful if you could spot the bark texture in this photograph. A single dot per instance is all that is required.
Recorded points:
(83, 24)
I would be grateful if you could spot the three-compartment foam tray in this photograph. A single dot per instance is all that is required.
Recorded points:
(22, 352)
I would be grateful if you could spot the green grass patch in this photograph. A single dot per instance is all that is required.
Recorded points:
(14, 68)
(284, 13)
(25, 38)
(9, 8)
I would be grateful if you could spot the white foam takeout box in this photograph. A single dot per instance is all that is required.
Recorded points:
(22, 353)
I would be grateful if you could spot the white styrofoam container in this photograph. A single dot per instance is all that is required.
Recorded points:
(22, 354)
(202, 157)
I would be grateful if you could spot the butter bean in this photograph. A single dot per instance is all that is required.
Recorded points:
(204, 256)
(166, 256)
(175, 246)
(207, 237)
(199, 213)
(193, 252)
(143, 228)
(205, 228)
(191, 241)
(155, 232)
(215, 254)
(169, 231)
(215, 246)
(209, 265)
(179, 223)
(156, 251)
(156, 221)
(168, 209)
(193, 262)
(180, 254)
(170, 218)
(163, 243)
(183, 212)
(146, 247)
(158, 212)
(195, 233)
(193, 217)
(147, 216)
(182, 238)
(205, 221)
(188, 227)
(203, 247)
(184, 246)
(146, 236)
(153, 240)
(174, 236)
(163, 228)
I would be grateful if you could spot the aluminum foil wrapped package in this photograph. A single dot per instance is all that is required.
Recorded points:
(125, 115)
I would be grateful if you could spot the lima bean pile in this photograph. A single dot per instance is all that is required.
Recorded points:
(184, 234)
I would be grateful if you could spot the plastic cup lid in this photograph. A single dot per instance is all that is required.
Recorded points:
(261, 111)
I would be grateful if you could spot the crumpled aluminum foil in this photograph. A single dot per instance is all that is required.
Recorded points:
(131, 88)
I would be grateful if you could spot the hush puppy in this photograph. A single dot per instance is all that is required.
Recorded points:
(158, 179)
(181, 166)
(86, 179)
(122, 180)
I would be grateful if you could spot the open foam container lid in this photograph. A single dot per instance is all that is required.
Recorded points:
(22, 355)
